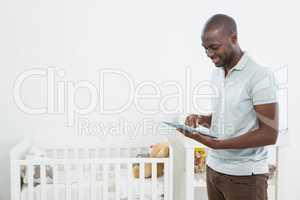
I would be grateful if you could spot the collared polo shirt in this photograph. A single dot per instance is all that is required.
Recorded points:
(247, 84)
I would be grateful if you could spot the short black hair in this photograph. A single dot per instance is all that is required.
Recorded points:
(221, 21)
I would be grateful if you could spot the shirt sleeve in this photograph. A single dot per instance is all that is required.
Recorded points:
(263, 88)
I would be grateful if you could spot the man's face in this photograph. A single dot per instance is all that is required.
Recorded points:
(218, 47)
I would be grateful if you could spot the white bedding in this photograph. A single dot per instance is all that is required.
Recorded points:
(85, 191)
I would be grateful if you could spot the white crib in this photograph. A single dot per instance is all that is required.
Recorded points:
(82, 172)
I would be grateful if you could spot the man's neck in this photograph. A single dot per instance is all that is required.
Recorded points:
(236, 58)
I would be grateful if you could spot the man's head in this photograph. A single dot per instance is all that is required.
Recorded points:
(219, 38)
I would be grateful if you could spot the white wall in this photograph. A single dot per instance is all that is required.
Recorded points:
(149, 40)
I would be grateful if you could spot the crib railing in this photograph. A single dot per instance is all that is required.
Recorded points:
(93, 161)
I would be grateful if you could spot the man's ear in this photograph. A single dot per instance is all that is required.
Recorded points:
(234, 38)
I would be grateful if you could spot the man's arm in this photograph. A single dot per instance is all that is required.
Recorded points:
(266, 134)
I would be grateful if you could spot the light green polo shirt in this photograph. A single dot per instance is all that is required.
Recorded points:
(246, 84)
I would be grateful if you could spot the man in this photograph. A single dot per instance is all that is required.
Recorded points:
(244, 117)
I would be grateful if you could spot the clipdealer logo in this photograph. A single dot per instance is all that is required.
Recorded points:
(61, 94)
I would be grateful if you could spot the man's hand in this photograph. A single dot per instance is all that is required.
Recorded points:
(206, 140)
(195, 120)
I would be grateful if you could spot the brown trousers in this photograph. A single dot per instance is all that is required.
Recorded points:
(226, 187)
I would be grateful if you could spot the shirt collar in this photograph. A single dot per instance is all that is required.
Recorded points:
(242, 62)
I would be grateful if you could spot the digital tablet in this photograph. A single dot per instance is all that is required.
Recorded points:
(200, 129)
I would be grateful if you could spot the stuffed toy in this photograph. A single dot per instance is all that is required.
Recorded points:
(200, 157)
(157, 151)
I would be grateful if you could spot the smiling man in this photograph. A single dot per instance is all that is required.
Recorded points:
(244, 117)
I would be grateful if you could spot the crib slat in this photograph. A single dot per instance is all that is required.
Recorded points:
(93, 182)
(154, 180)
(68, 183)
(43, 180)
(106, 152)
(55, 181)
(82, 174)
(129, 179)
(56, 153)
(142, 180)
(30, 181)
(83, 153)
(81, 191)
(110, 152)
(80, 182)
(64, 153)
(118, 180)
(105, 181)
(15, 180)
(76, 153)
(128, 153)
(166, 180)
(118, 153)
(133, 151)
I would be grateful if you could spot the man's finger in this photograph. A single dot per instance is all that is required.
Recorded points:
(182, 131)
(186, 121)
(194, 125)
(190, 121)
